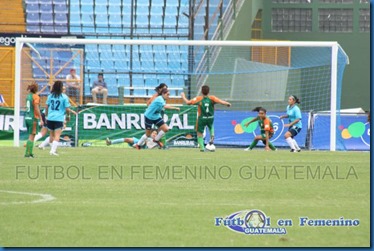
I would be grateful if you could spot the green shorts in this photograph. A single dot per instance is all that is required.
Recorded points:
(201, 123)
(32, 126)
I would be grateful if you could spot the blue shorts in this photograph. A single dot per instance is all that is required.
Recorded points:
(55, 125)
(149, 122)
(136, 140)
(294, 130)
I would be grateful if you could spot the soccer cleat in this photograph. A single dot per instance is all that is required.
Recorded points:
(202, 150)
(53, 153)
(159, 143)
(292, 150)
(108, 142)
(137, 146)
(31, 156)
(247, 149)
(298, 150)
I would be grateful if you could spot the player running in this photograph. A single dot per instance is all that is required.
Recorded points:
(294, 126)
(57, 106)
(158, 90)
(267, 130)
(153, 117)
(32, 117)
(132, 141)
(205, 108)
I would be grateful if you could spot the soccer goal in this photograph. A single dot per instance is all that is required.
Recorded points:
(246, 73)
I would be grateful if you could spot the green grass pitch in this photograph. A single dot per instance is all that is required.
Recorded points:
(110, 196)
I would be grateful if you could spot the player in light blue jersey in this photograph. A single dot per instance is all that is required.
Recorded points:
(56, 109)
(153, 117)
(294, 123)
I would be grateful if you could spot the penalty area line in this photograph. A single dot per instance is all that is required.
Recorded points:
(43, 198)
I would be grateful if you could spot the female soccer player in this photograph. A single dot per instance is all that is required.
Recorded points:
(267, 130)
(153, 117)
(158, 90)
(294, 125)
(205, 109)
(57, 106)
(32, 117)
(132, 141)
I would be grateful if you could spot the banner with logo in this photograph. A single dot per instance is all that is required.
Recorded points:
(100, 122)
(230, 130)
(353, 132)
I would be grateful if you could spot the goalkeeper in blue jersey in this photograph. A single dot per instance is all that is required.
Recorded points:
(294, 125)
(132, 141)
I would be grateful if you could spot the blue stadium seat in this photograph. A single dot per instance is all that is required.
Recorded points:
(32, 1)
(171, 10)
(156, 21)
(114, 3)
(87, 2)
(46, 18)
(32, 18)
(61, 18)
(142, 3)
(61, 28)
(75, 23)
(114, 10)
(137, 80)
(60, 1)
(101, 22)
(46, 8)
(87, 23)
(170, 21)
(115, 23)
(49, 2)
(60, 8)
(157, 10)
(142, 10)
(142, 21)
(32, 8)
(171, 3)
(101, 9)
(87, 9)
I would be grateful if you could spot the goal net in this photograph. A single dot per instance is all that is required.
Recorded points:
(248, 74)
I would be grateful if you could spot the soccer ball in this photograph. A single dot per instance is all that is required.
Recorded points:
(210, 147)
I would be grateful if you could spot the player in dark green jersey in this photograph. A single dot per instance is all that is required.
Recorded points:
(205, 110)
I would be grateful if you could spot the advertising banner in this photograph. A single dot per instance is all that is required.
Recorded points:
(353, 132)
(230, 130)
(97, 123)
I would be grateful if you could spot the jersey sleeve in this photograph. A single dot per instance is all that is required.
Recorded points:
(267, 126)
(66, 101)
(297, 113)
(196, 100)
(36, 99)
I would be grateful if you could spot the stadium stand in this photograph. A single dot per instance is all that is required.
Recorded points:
(132, 68)
(12, 19)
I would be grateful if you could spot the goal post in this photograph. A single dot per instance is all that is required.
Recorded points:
(246, 73)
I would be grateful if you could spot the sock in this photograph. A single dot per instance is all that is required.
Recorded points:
(38, 136)
(295, 144)
(118, 141)
(272, 147)
(31, 146)
(142, 140)
(45, 142)
(54, 146)
(159, 135)
(289, 141)
(254, 143)
(200, 140)
(27, 152)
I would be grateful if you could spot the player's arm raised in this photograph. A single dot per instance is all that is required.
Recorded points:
(220, 101)
(187, 101)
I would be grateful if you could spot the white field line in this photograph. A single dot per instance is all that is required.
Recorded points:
(43, 198)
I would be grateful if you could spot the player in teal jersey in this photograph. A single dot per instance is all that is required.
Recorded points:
(205, 109)
(294, 125)
(153, 117)
(57, 106)
(32, 117)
